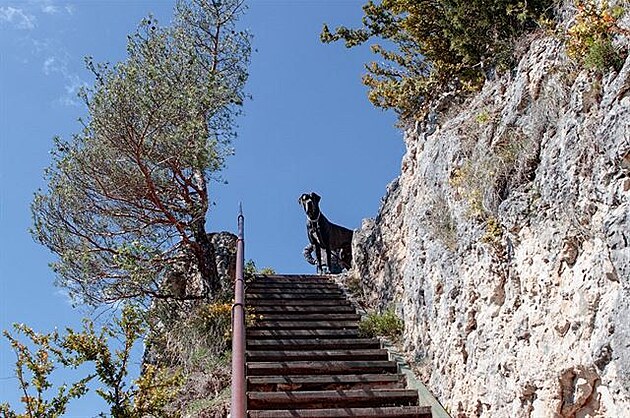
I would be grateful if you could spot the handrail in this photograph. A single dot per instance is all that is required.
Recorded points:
(238, 408)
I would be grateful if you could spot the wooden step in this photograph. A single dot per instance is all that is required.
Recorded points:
(314, 344)
(319, 367)
(293, 291)
(301, 309)
(310, 317)
(280, 325)
(325, 382)
(291, 285)
(331, 399)
(289, 355)
(303, 279)
(305, 333)
(382, 412)
(305, 357)
(293, 296)
(297, 302)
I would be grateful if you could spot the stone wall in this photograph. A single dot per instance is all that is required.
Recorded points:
(504, 244)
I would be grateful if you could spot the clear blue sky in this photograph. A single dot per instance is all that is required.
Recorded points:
(308, 128)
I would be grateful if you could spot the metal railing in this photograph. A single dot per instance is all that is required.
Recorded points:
(238, 408)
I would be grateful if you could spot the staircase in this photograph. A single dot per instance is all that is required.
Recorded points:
(305, 357)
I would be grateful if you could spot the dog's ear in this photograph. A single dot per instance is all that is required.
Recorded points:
(315, 197)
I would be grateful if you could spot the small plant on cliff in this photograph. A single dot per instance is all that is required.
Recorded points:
(489, 174)
(442, 223)
(590, 37)
(385, 324)
(251, 270)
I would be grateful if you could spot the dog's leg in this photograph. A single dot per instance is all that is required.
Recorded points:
(345, 255)
(318, 254)
(328, 260)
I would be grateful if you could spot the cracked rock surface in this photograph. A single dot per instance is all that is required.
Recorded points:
(504, 244)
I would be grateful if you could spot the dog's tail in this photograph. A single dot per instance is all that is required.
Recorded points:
(308, 254)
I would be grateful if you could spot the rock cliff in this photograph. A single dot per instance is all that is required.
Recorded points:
(503, 244)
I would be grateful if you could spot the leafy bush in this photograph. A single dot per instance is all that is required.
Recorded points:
(438, 46)
(251, 270)
(43, 353)
(385, 324)
(590, 38)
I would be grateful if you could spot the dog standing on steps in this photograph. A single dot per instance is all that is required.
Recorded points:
(324, 234)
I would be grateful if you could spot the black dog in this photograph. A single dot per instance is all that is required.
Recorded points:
(324, 234)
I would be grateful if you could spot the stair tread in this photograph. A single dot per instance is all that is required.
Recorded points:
(302, 310)
(292, 285)
(352, 393)
(288, 355)
(266, 290)
(302, 333)
(295, 296)
(310, 316)
(314, 343)
(382, 412)
(314, 399)
(279, 325)
(298, 302)
(296, 278)
(299, 379)
(264, 368)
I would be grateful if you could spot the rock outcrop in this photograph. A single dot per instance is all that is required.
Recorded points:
(184, 280)
(504, 244)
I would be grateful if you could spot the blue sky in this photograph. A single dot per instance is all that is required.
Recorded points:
(309, 127)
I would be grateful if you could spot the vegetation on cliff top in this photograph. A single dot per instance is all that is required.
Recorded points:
(437, 46)
(432, 49)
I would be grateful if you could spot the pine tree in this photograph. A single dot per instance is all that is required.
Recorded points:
(127, 197)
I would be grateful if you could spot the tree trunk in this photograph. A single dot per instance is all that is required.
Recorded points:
(206, 259)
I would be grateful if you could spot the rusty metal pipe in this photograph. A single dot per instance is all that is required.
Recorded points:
(239, 405)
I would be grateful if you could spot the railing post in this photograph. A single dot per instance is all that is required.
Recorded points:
(238, 407)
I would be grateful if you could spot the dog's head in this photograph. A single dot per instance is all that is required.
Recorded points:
(310, 203)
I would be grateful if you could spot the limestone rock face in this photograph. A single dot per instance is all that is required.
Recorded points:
(184, 279)
(504, 244)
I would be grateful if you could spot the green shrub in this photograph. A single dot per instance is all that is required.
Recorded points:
(438, 46)
(386, 324)
(590, 38)
(251, 270)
